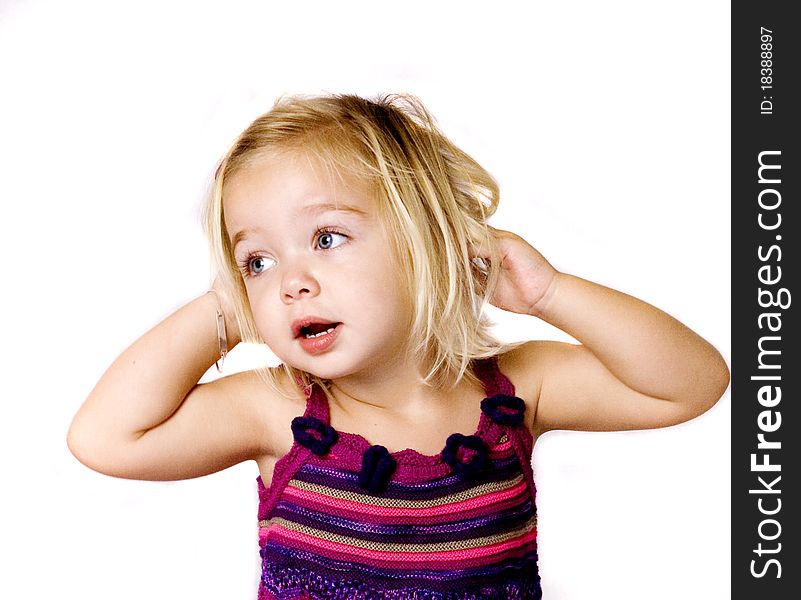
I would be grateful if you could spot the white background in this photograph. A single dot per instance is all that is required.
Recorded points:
(606, 125)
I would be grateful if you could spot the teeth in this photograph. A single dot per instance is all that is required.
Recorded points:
(314, 335)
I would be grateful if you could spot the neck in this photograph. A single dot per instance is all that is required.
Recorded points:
(397, 389)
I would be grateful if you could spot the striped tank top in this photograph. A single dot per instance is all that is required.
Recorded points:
(348, 520)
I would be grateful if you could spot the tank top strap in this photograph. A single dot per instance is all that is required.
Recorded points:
(506, 410)
(312, 432)
(494, 382)
(316, 403)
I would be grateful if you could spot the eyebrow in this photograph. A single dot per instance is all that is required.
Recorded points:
(241, 235)
(321, 207)
(311, 209)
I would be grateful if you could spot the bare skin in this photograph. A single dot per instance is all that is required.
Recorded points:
(635, 367)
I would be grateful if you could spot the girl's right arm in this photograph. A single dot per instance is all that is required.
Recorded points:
(148, 419)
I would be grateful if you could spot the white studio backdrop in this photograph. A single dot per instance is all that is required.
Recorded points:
(607, 126)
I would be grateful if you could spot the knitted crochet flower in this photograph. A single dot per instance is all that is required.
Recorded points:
(504, 409)
(377, 468)
(313, 434)
(467, 455)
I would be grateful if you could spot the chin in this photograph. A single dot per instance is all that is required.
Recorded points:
(334, 367)
(318, 366)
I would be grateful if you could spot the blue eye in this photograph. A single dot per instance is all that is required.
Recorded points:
(326, 240)
(255, 265)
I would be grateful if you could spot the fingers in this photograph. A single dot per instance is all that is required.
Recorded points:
(481, 264)
(481, 256)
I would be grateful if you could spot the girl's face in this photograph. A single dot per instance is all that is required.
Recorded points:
(322, 283)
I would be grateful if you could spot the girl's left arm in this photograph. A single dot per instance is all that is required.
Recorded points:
(636, 368)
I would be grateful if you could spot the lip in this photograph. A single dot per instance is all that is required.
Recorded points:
(317, 345)
(299, 324)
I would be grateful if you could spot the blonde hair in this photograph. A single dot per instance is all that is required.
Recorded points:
(434, 201)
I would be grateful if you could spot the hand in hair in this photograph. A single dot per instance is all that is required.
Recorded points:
(525, 277)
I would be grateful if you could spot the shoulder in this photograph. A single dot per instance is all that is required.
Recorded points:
(526, 365)
(266, 408)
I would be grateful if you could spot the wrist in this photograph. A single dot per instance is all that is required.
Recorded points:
(224, 326)
(540, 308)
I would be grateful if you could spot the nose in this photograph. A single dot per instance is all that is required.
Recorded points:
(297, 282)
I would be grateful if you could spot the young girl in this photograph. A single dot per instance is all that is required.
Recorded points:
(394, 442)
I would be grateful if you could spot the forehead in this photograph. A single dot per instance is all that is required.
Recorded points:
(294, 185)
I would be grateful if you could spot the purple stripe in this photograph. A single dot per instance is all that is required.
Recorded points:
(278, 560)
(491, 524)
(340, 479)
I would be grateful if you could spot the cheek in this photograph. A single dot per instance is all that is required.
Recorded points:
(399, 281)
(263, 312)
(395, 283)
(391, 297)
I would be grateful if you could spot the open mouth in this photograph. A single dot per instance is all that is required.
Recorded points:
(312, 327)
(315, 330)
(316, 335)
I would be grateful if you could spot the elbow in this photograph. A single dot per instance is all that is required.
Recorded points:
(107, 452)
(724, 378)
(79, 445)
(91, 450)
(713, 385)
(720, 377)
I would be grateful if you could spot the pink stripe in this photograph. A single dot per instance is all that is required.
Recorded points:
(501, 451)
(362, 517)
(314, 544)
(361, 508)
